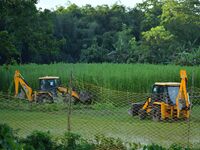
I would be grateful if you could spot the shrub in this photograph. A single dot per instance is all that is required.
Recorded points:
(72, 141)
(8, 140)
(134, 146)
(153, 147)
(38, 140)
(108, 143)
(43, 141)
(177, 147)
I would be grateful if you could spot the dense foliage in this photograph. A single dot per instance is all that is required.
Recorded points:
(155, 31)
(8, 139)
(70, 141)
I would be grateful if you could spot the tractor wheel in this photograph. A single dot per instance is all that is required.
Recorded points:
(44, 98)
(85, 97)
(135, 109)
(156, 114)
(132, 112)
(142, 114)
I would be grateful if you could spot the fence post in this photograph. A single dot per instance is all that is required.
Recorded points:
(69, 104)
(192, 95)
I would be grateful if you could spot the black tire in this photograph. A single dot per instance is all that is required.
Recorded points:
(44, 98)
(133, 112)
(156, 114)
(85, 97)
(142, 114)
(135, 109)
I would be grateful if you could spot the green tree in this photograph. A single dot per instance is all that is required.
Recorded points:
(21, 16)
(94, 53)
(160, 45)
(182, 18)
(45, 47)
(152, 10)
(108, 40)
(125, 46)
(188, 58)
(135, 19)
(134, 51)
(67, 25)
(8, 52)
(31, 31)
(122, 45)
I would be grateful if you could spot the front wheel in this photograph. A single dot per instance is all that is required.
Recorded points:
(44, 98)
(156, 114)
(142, 114)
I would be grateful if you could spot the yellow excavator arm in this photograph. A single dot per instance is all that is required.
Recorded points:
(183, 87)
(65, 90)
(182, 100)
(18, 79)
(161, 109)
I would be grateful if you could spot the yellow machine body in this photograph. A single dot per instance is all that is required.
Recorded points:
(163, 108)
(37, 95)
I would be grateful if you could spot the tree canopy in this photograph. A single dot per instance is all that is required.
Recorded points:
(154, 31)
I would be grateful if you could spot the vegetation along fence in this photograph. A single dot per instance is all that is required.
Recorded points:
(107, 113)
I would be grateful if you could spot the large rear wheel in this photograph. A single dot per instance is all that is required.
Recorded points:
(135, 108)
(85, 97)
(142, 114)
(44, 98)
(156, 114)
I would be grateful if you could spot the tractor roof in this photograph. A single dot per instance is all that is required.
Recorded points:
(48, 77)
(167, 83)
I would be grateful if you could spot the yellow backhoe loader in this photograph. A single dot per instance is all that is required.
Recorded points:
(49, 87)
(169, 100)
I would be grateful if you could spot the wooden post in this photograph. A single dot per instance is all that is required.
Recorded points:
(192, 95)
(69, 104)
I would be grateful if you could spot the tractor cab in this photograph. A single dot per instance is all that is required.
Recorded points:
(168, 100)
(165, 92)
(50, 84)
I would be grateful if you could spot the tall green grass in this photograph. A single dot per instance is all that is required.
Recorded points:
(124, 77)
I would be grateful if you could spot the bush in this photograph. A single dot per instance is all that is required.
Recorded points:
(177, 147)
(8, 140)
(38, 140)
(153, 147)
(190, 58)
(72, 141)
(108, 143)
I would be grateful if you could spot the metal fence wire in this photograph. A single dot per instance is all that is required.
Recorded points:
(107, 114)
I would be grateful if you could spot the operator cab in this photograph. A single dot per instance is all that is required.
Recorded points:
(165, 92)
(49, 83)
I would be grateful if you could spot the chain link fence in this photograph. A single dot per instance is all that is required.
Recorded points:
(107, 114)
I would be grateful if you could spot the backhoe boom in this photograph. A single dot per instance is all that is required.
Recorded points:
(18, 79)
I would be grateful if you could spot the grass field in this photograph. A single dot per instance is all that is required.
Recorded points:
(114, 122)
(117, 84)
(123, 77)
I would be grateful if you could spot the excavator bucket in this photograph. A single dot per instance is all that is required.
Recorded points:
(85, 97)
